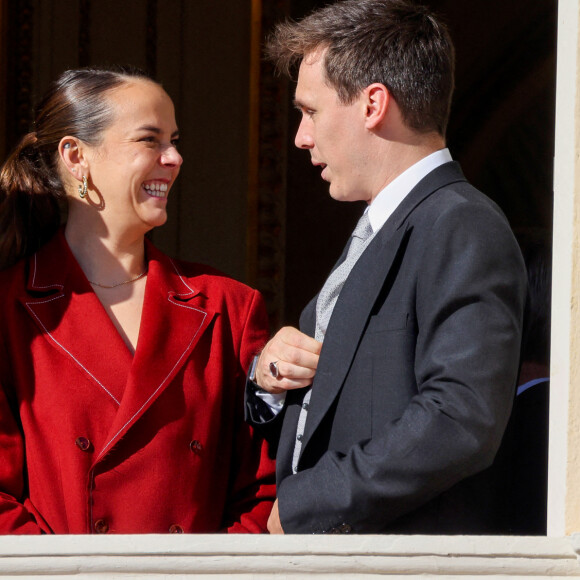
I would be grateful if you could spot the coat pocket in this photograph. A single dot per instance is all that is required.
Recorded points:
(388, 320)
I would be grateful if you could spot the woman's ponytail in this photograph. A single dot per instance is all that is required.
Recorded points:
(29, 208)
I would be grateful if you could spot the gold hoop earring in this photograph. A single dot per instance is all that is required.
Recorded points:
(84, 188)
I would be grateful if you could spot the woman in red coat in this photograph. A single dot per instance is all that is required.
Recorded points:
(121, 371)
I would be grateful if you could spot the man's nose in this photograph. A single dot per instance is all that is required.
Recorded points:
(304, 139)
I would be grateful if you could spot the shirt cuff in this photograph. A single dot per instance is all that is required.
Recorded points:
(274, 401)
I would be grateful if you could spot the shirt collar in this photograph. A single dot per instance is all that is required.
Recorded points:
(388, 199)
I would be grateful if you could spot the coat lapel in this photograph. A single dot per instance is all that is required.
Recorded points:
(70, 316)
(359, 295)
(171, 325)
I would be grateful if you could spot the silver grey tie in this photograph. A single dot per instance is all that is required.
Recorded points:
(361, 237)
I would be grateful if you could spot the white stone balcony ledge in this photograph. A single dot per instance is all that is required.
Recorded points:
(292, 557)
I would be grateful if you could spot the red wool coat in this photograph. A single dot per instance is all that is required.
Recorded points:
(94, 439)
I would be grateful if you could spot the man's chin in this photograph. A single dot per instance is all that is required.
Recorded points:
(335, 193)
(347, 196)
(340, 195)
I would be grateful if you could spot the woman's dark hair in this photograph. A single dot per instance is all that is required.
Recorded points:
(30, 185)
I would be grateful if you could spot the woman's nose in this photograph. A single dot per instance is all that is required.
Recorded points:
(171, 156)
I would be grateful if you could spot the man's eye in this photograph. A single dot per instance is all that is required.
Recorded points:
(175, 142)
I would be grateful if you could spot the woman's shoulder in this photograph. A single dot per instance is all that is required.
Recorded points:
(202, 275)
(13, 286)
(14, 277)
(201, 279)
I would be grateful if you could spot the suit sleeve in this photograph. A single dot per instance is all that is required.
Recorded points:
(14, 517)
(470, 291)
(253, 489)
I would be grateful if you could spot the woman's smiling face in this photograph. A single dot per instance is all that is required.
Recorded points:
(136, 162)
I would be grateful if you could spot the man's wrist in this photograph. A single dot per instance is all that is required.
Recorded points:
(252, 369)
(275, 402)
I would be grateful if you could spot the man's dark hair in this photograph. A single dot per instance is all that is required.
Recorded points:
(393, 42)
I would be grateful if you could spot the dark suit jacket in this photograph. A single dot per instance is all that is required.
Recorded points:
(416, 376)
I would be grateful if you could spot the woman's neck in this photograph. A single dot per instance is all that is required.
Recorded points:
(107, 259)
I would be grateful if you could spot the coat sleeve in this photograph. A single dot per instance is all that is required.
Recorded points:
(469, 295)
(253, 489)
(14, 517)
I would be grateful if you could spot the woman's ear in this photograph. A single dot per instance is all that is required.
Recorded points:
(71, 153)
(377, 98)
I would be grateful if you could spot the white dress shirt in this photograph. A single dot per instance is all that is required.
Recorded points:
(389, 199)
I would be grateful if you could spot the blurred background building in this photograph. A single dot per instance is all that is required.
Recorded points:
(247, 201)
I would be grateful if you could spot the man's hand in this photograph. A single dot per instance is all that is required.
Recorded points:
(274, 525)
(296, 357)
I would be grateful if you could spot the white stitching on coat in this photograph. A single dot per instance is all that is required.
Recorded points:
(34, 278)
(104, 449)
(28, 305)
(181, 277)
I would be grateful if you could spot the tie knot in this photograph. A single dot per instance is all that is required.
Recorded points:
(363, 228)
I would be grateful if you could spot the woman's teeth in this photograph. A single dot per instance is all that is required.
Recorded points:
(156, 189)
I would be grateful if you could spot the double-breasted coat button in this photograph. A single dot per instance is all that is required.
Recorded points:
(83, 443)
(196, 447)
(175, 529)
(101, 527)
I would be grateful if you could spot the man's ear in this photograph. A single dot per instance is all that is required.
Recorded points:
(71, 152)
(377, 98)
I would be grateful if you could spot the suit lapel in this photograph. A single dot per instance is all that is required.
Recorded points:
(70, 316)
(171, 326)
(359, 295)
(349, 320)
(308, 318)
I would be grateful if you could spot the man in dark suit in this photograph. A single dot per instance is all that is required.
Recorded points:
(391, 401)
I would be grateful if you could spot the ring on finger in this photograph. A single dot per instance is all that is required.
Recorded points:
(274, 370)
